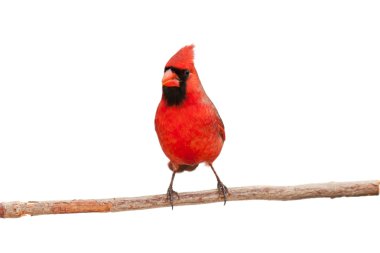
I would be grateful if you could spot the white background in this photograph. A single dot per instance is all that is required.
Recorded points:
(296, 83)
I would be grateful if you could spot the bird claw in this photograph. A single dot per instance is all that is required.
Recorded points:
(169, 195)
(223, 190)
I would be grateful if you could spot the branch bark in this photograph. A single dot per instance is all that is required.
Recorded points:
(324, 190)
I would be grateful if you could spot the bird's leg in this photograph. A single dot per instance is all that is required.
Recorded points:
(171, 192)
(221, 187)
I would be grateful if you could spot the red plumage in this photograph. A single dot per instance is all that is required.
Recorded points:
(192, 132)
(187, 123)
(183, 59)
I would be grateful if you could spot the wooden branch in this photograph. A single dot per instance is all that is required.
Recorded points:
(326, 190)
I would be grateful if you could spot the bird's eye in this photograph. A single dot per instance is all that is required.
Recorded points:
(187, 73)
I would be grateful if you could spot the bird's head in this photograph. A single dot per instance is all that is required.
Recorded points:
(178, 70)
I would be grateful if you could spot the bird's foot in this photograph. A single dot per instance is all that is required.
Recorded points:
(223, 190)
(170, 195)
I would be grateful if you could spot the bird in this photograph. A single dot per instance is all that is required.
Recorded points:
(188, 125)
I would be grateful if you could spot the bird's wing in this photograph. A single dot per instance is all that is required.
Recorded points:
(220, 126)
(218, 120)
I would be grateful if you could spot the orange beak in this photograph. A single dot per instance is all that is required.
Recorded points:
(170, 79)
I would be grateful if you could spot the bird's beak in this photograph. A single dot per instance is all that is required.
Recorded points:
(170, 79)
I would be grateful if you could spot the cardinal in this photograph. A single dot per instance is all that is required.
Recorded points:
(187, 123)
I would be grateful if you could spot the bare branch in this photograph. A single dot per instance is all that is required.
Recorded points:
(326, 190)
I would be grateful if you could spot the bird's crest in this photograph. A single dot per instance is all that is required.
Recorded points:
(183, 59)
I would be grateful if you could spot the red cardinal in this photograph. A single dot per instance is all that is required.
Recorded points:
(187, 123)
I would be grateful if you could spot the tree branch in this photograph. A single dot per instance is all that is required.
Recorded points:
(326, 190)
